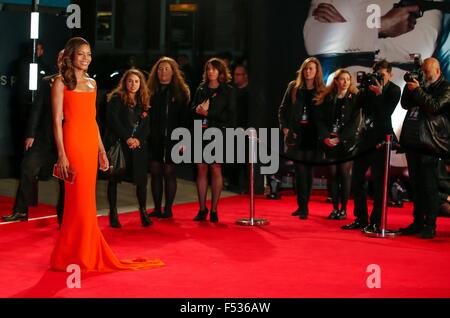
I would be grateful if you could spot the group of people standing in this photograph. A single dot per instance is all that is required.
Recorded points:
(346, 127)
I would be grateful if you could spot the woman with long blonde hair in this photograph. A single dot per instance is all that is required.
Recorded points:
(336, 117)
(296, 117)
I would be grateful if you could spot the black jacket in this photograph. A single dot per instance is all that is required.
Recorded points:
(289, 115)
(222, 105)
(40, 120)
(377, 112)
(434, 103)
(166, 114)
(347, 122)
(433, 100)
(121, 121)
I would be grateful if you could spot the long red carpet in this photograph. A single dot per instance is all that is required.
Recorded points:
(289, 258)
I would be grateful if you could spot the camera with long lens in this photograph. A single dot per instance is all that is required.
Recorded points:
(417, 74)
(304, 117)
(364, 79)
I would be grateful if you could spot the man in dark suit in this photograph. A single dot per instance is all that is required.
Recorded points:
(40, 152)
(378, 102)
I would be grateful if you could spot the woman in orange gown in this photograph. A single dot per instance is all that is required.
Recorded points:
(81, 150)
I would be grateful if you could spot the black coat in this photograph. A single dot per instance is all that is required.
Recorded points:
(166, 114)
(347, 123)
(377, 112)
(289, 115)
(120, 121)
(222, 106)
(40, 121)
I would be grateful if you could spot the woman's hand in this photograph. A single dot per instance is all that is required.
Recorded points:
(103, 161)
(63, 166)
(203, 108)
(331, 142)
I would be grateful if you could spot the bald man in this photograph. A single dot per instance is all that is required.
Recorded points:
(432, 98)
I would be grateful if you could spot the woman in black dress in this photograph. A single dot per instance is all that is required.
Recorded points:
(214, 105)
(169, 100)
(337, 121)
(297, 122)
(128, 123)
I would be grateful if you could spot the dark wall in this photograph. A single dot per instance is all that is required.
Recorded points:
(13, 41)
(276, 52)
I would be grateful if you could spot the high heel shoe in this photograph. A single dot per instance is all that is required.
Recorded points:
(213, 217)
(145, 221)
(114, 219)
(201, 215)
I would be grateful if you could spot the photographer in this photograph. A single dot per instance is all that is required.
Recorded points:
(428, 99)
(377, 100)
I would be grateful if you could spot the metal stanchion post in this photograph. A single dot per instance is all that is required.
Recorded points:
(253, 140)
(383, 233)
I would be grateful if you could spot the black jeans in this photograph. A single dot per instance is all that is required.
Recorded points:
(376, 161)
(424, 182)
(32, 164)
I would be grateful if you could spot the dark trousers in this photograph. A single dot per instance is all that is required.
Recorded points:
(304, 178)
(376, 161)
(35, 163)
(424, 183)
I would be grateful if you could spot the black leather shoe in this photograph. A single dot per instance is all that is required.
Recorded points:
(145, 221)
(201, 215)
(333, 215)
(213, 217)
(167, 214)
(342, 215)
(428, 233)
(412, 229)
(303, 215)
(155, 213)
(17, 216)
(356, 224)
(296, 212)
(371, 228)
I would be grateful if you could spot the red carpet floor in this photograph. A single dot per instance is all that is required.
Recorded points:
(289, 258)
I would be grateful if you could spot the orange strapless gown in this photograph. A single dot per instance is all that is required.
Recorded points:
(80, 240)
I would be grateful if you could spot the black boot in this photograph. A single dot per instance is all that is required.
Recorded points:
(145, 221)
(112, 200)
(155, 213)
(201, 215)
(114, 219)
(167, 214)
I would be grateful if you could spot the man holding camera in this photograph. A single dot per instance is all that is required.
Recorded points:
(378, 101)
(430, 98)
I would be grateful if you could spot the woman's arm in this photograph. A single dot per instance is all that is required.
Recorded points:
(102, 157)
(57, 108)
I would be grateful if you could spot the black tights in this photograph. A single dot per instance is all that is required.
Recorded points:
(141, 194)
(166, 171)
(340, 184)
(202, 184)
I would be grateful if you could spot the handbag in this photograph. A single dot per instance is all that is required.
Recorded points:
(116, 159)
(426, 133)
